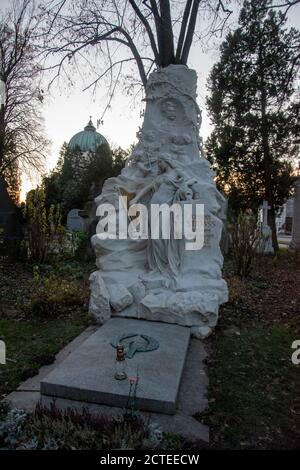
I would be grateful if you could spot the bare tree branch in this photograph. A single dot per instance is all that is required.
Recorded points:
(288, 4)
(112, 65)
(23, 146)
(184, 23)
(157, 19)
(145, 28)
(148, 29)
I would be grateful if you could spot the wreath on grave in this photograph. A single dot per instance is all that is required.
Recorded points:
(132, 347)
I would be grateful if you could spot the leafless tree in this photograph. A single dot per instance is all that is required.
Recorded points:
(284, 5)
(22, 142)
(148, 33)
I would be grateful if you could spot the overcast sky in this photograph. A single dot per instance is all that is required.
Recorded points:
(67, 111)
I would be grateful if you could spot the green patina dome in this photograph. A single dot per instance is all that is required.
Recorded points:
(87, 140)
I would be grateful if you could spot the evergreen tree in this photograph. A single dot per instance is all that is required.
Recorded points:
(253, 108)
(79, 177)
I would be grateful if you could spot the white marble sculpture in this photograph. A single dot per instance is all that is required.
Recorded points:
(158, 279)
(265, 246)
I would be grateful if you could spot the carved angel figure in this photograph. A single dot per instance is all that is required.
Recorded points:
(170, 186)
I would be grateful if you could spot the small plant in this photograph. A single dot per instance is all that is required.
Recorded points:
(72, 429)
(36, 272)
(53, 294)
(4, 409)
(246, 238)
(172, 441)
(46, 235)
(79, 242)
(70, 269)
(50, 428)
(131, 410)
(11, 428)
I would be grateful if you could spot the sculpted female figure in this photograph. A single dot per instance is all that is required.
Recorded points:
(170, 186)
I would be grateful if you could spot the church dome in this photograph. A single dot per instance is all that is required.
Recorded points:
(87, 140)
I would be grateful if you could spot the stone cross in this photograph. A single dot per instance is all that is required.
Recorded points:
(266, 245)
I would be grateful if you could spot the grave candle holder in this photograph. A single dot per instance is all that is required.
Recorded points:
(120, 364)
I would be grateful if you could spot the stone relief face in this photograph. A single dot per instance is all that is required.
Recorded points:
(184, 139)
(168, 109)
(163, 166)
(149, 136)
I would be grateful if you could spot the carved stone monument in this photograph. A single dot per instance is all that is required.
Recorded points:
(158, 279)
(295, 242)
(265, 246)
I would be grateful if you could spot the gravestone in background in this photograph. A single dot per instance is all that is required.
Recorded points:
(265, 247)
(75, 221)
(85, 221)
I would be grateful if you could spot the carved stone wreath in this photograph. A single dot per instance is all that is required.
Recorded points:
(134, 346)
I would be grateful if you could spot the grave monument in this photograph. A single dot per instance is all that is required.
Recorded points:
(75, 221)
(156, 279)
(265, 247)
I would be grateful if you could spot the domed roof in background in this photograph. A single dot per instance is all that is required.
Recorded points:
(87, 140)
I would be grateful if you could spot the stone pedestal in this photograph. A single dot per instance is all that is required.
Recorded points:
(87, 374)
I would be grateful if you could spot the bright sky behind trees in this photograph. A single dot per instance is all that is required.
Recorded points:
(67, 111)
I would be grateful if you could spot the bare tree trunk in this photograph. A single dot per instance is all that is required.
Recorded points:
(167, 55)
(148, 29)
(182, 33)
(190, 33)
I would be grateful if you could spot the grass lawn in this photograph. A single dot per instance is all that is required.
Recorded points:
(32, 340)
(254, 391)
(33, 343)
